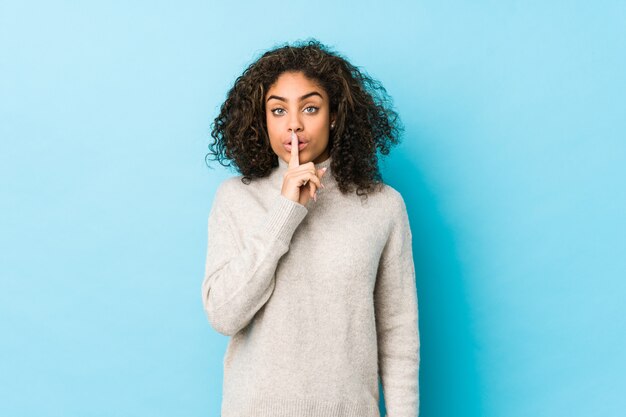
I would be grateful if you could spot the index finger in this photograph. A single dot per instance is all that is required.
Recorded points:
(295, 160)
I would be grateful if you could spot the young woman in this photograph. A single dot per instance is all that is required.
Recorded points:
(309, 263)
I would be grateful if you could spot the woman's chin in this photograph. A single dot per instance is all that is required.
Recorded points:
(303, 157)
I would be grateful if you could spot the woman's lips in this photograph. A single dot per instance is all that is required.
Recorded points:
(301, 145)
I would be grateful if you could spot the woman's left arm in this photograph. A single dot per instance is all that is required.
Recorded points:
(396, 310)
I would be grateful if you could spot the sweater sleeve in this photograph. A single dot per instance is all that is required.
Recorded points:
(240, 269)
(396, 311)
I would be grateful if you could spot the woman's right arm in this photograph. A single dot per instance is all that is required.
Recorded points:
(240, 273)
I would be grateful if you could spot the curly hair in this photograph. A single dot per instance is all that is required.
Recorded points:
(365, 120)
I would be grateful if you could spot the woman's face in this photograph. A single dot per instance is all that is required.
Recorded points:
(296, 103)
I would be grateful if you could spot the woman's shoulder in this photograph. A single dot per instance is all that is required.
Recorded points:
(391, 197)
(231, 182)
(228, 190)
(233, 189)
(396, 215)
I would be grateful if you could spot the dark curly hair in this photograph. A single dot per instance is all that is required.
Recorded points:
(365, 120)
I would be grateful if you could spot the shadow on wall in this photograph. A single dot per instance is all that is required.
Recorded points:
(449, 380)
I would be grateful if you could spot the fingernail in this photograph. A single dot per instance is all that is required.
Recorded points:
(324, 169)
(323, 186)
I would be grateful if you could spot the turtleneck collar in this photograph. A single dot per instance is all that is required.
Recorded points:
(328, 180)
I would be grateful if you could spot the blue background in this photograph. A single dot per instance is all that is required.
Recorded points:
(512, 167)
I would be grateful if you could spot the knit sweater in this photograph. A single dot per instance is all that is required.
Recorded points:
(319, 300)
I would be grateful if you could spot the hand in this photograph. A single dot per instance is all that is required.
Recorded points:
(300, 182)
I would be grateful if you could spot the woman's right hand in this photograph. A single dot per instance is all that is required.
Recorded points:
(300, 182)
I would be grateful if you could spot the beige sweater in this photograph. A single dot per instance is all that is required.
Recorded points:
(320, 300)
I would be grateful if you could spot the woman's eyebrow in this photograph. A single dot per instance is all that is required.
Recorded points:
(312, 93)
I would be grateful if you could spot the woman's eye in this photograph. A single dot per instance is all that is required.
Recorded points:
(280, 112)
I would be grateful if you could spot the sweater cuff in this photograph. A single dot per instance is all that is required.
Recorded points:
(284, 216)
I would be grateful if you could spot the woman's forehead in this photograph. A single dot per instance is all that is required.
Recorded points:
(295, 84)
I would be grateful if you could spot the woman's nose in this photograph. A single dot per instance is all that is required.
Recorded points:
(295, 124)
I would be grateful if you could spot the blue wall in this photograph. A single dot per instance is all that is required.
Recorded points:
(512, 166)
